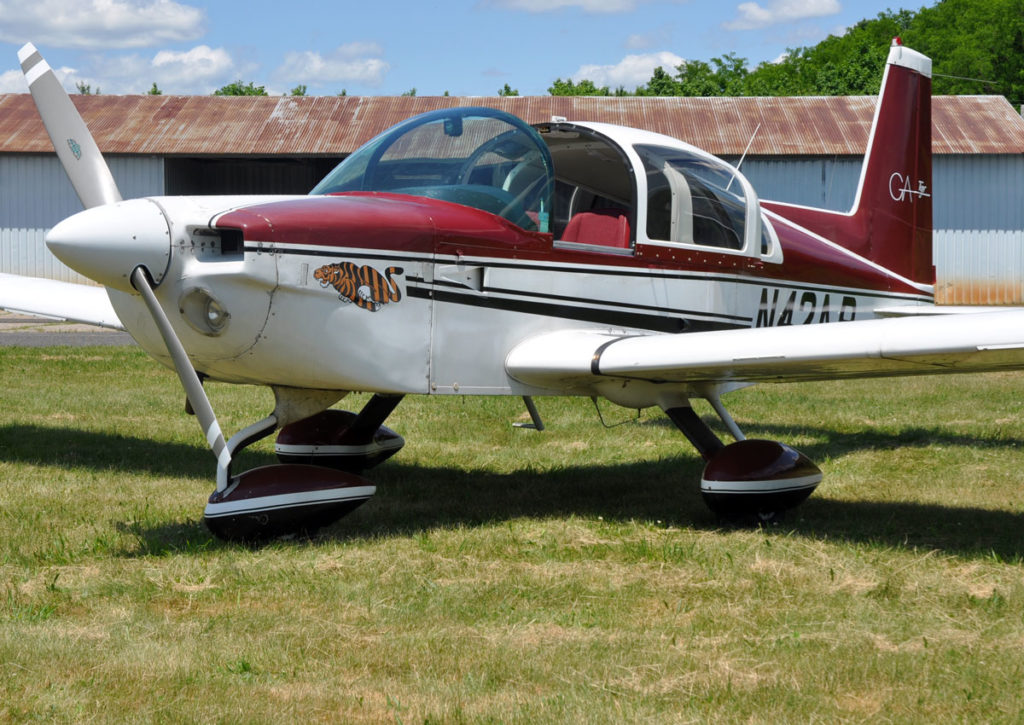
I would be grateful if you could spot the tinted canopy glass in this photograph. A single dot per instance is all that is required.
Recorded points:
(477, 157)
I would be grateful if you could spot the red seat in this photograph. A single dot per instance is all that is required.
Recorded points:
(607, 227)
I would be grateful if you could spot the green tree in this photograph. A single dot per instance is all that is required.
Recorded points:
(154, 91)
(583, 88)
(239, 89)
(86, 90)
(661, 84)
(696, 78)
(508, 91)
(299, 90)
(723, 76)
(411, 93)
(975, 47)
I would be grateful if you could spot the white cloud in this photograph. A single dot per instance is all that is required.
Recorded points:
(350, 63)
(547, 6)
(99, 24)
(13, 81)
(200, 70)
(630, 72)
(752, 15)
(202, 66)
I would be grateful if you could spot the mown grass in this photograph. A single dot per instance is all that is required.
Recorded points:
(505, 575)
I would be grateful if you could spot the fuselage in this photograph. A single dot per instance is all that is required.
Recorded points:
(394, 293)
(427, 256)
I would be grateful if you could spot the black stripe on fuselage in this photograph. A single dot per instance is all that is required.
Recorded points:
(730, 320)
(614, 318)
(618, 272)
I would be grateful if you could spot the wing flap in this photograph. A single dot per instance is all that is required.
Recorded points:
(578, 361)
(58, 300)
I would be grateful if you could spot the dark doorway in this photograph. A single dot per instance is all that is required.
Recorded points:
(216, 175)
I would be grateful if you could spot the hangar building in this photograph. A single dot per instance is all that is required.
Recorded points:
(801, 150)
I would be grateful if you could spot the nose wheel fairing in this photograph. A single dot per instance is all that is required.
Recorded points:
(284, 499)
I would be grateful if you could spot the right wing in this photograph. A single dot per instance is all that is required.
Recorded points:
(58, 300)
(583, 361)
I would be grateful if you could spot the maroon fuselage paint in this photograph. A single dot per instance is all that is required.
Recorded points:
(405, 224)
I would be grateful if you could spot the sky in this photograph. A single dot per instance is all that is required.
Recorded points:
(463, 47)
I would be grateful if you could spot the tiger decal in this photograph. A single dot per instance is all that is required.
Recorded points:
(364, 286)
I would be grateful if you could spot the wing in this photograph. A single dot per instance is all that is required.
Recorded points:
(581, 361)
(58, 300)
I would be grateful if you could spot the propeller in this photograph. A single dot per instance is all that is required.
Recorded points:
(121, 244)
(126, 245)
(197, 399)
(75, 147)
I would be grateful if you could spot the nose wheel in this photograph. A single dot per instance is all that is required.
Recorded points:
(266, 502)
(283, 500)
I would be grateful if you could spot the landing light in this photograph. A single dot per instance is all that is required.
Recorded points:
(203, 312)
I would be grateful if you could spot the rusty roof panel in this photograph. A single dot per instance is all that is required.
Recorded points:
(334, 126)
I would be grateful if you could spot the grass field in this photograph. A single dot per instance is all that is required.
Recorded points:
(505, 575)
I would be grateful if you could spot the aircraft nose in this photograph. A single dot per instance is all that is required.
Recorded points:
(105, 243)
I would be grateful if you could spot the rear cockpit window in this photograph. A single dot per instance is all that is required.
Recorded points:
(692, 199)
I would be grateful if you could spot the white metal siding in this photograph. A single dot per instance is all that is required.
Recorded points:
(979, 192)
(35, 194)
(975, 267)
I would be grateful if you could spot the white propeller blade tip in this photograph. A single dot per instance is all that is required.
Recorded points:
(26, 52)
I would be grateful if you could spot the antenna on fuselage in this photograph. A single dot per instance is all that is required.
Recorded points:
(744, 156)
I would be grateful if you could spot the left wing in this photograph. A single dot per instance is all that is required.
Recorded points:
(58, 300)
(579, 361)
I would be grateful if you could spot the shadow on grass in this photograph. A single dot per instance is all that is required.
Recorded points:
(69, 448)
(413, 498)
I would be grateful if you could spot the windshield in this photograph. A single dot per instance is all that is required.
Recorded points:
(476, 157)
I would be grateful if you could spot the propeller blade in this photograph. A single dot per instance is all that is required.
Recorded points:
(189, 379)
(75, 147)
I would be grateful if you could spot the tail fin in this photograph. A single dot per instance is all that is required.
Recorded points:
(891, 219)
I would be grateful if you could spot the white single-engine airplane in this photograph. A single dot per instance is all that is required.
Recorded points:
(464, 252)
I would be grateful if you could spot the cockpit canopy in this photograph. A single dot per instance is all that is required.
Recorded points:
(477, 157)
(592, 186)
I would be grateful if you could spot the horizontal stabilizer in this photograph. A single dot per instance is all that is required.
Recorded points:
(58, 300)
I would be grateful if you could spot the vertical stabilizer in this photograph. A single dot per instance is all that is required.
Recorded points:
(891, 219)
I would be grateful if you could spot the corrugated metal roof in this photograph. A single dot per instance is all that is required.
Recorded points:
(335, 126)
